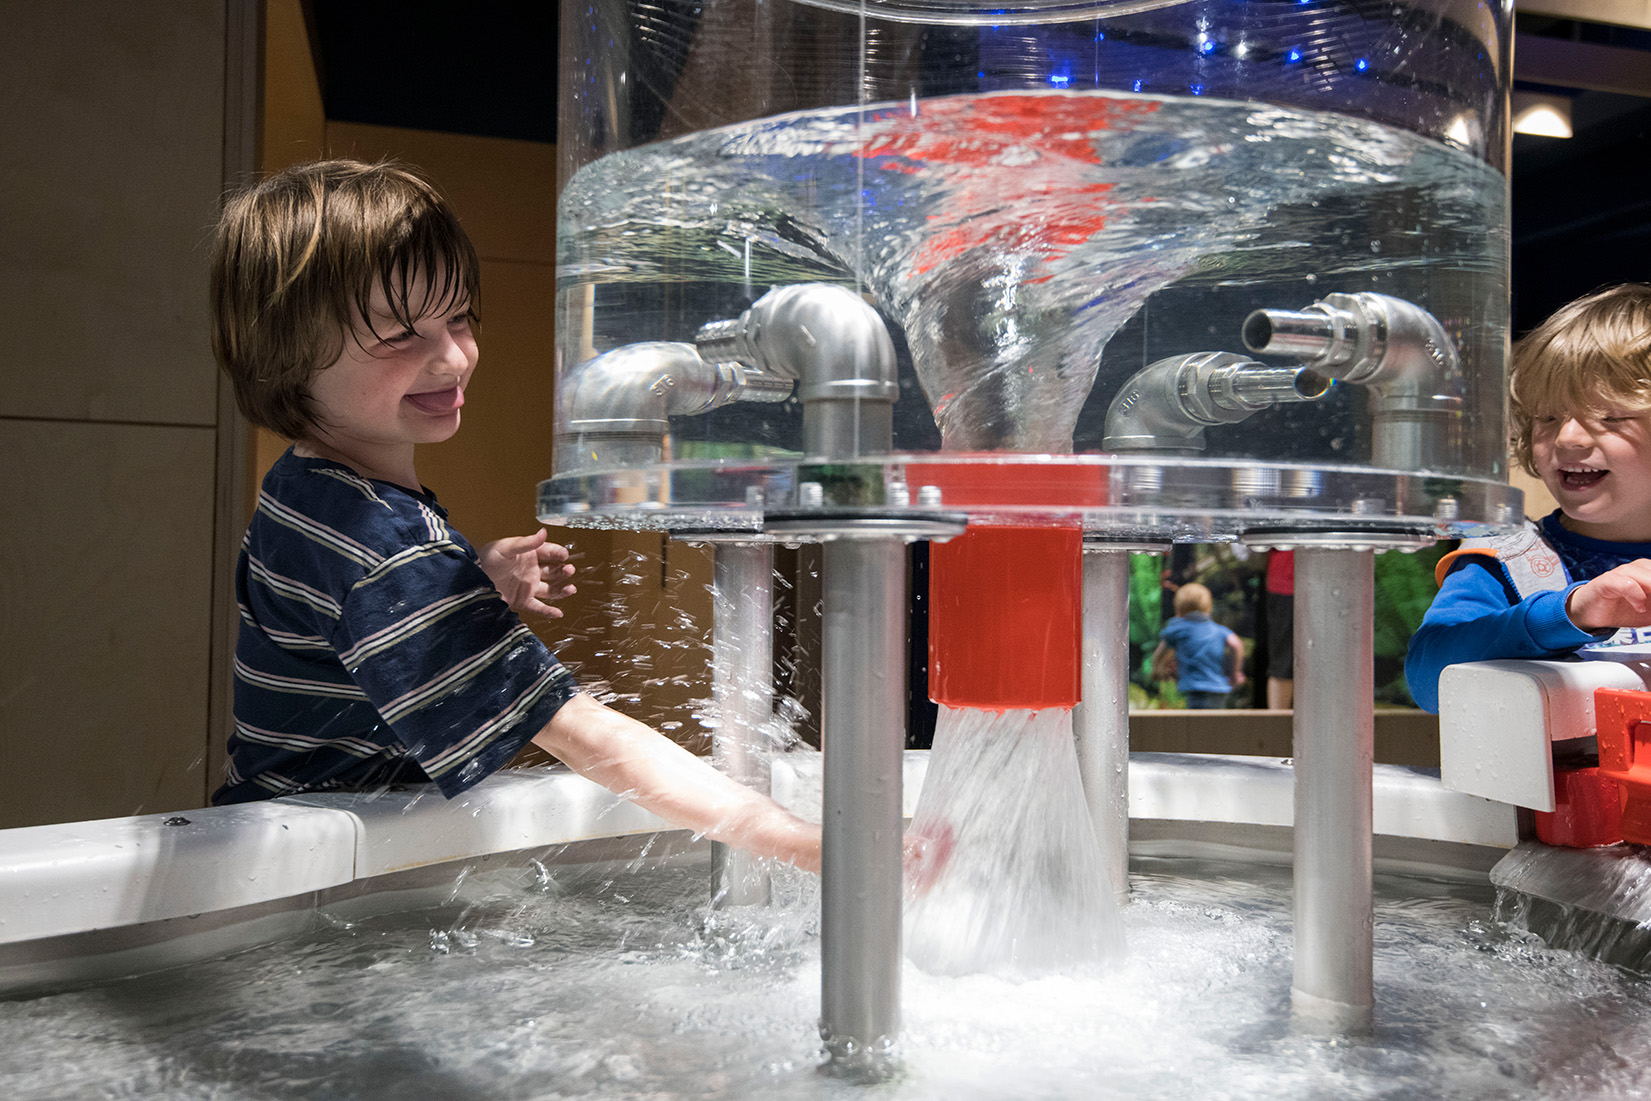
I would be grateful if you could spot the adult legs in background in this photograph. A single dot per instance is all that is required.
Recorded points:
(1281, 651)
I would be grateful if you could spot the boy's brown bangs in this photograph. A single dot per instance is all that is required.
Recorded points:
(443, 258)
(423, 244)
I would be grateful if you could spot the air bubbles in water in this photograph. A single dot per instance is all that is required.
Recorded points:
(1024, 891)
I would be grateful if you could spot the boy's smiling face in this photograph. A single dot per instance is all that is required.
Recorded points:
(393, 387)
(1598, 467)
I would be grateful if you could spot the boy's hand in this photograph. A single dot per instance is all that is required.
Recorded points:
(529, 571)
(1620, 598)
(925, 858)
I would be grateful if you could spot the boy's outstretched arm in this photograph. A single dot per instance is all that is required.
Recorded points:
(1474, 617)
(655, 773)
(529, 571)
(1617, 598)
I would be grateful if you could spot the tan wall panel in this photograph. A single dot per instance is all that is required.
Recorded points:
(295, 122)
(104, 621)
(1538, 501)
(638, 633)
(504, 190)
(1403, 736)
(111, 165)
(295, 130)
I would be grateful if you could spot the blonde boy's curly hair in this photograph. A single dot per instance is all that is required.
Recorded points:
(1193, 597)
(1591, 356)
(296, 260)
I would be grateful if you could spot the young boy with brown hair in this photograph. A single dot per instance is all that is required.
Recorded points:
(376, 644)
(1578, 582)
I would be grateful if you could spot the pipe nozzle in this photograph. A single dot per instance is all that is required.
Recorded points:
(1302, 334)
(1395, 349)
(1167, 405)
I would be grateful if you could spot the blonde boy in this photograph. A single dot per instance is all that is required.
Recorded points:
(1209, 658)
(376, 644)
(1579, 581)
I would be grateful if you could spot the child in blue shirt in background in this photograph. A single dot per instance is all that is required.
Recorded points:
(1579, 581)
(1209, 658)
(376, 644)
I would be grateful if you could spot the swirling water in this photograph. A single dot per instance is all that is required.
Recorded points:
(1010, 235)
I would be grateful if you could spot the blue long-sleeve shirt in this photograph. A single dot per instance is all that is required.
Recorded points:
(1479, 615)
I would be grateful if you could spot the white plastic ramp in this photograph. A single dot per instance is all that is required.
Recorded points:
(81, 876)
(1498, 721)
(1409, 802)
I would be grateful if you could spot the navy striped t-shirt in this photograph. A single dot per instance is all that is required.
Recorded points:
(373, 648)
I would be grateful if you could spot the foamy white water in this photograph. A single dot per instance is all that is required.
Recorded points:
(621, 984)
(1024, 891)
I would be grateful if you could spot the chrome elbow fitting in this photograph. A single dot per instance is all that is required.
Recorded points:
(1396, 350)
(836, 347)
(615, 408)
(1166, 406)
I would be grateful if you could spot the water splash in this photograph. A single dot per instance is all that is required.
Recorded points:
(1025, 891)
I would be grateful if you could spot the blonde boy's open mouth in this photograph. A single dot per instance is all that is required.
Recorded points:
(1581, 477)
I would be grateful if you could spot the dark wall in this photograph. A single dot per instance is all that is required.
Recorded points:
(1581, 206)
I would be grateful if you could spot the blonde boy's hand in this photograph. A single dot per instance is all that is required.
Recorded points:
(529, 571)
(1619, 598)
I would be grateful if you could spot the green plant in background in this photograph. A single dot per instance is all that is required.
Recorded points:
(1404, 589)
(1145, 604)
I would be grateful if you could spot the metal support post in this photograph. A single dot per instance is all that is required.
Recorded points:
(1101, 721)
(863, 730)
(1334, 748)
(742, 691)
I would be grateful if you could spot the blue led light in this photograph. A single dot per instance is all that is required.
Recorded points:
(1293, 56)
(1060, 80)
(1197, 89)
(1100, 36)
(1206, 47)
(1137, 85)
(1361, 64)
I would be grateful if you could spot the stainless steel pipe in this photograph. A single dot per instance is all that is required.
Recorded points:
(1101, 721)
(835, 346)
(1166, 405)
(1334, 747)
(863, 730)
(1396, 350)
(742, 694)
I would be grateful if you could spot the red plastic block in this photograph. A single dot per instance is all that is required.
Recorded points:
(1623, 723)
(1044, 483)
(1587, 811)
(1006, 618)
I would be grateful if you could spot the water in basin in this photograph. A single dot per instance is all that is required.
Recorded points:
(617, 982)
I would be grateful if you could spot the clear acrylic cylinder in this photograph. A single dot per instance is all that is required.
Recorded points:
(1168, 271)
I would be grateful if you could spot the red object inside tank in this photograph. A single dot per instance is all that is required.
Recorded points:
(1006, 618)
